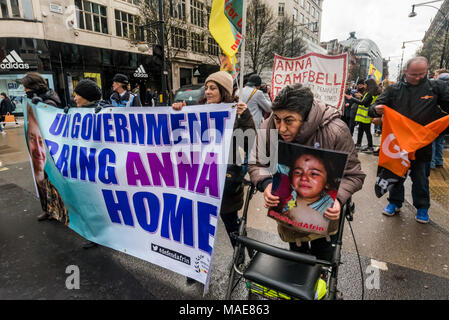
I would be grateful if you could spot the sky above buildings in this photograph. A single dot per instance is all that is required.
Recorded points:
(386, 22)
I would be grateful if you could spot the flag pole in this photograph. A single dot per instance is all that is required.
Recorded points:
(242, 52)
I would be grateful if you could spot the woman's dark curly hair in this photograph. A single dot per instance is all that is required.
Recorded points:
(296, 98)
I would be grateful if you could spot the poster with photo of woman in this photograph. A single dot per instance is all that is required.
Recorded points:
(307, 182)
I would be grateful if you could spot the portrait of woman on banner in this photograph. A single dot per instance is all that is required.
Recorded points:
(52, 205)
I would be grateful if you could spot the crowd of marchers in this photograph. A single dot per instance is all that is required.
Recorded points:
(299, 118)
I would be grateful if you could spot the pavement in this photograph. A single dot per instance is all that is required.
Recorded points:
(400, 259)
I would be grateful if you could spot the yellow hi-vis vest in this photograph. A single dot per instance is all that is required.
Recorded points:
(362, 111)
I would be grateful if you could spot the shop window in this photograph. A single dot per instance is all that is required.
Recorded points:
(91, 16)
(11, 85)
(106, 57)
(212, 47)
(281, 9)
(197, 42)
(134, 2)
(178, 38)
(185, 76)
(126, 25)
(4, 7)
(16, 9)
(178, 10)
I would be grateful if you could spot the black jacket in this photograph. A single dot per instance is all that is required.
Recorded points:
(5, 107)
(424, 103)
(49, 97)
(123, 100)
(232, 199)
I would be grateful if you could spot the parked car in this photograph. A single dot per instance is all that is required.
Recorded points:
(191, 94)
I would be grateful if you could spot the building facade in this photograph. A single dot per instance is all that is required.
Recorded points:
(67, 41)
(306, 15)
(366, 52)
(334, 47)
(436, 39)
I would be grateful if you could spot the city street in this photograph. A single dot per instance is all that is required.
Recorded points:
(412, 259)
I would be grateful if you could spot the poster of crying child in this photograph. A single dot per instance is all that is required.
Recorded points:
(307, 182)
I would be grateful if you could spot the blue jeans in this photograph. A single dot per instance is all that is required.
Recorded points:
(420, 172)
(437, 152)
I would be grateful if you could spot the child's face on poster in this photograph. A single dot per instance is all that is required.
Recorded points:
(309, 178)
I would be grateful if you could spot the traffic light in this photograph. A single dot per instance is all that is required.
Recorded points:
(158, 55)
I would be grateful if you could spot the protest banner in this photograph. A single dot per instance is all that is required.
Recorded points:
(324, 75)
(306, 182)
(144, 181)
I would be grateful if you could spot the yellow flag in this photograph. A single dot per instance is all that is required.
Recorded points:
(374, 73)
(225, 25)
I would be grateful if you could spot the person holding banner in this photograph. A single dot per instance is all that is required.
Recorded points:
(36, 88)
(422, 101)
(299, 118)
(87, 94)
(219, 89)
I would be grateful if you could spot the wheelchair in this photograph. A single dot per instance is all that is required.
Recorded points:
(274, 273)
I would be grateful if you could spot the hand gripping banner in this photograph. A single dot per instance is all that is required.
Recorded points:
(144, 181)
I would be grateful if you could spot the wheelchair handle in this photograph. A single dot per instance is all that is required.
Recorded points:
(280, 253)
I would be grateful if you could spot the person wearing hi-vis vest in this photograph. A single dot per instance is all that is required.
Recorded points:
(362, 117)
(121, 97)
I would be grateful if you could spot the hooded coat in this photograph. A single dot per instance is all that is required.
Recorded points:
(322, 129)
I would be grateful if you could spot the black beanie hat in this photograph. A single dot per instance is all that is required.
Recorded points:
(121, 78)
(254, 80)
(88, 89)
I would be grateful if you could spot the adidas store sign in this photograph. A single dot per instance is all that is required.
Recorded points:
(140, 73)
(13, 61)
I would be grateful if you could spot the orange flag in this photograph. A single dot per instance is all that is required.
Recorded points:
(402, 137)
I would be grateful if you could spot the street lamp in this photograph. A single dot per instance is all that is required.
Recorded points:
(403, 48)
(422, 4)
(426, 4)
